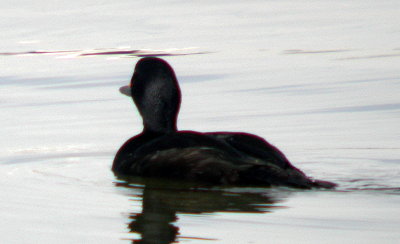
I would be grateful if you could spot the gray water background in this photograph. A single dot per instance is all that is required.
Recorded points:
(318, 79)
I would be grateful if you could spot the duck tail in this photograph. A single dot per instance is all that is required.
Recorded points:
(323, 184)
(272, 175)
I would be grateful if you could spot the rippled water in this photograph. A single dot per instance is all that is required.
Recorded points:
(319, 79)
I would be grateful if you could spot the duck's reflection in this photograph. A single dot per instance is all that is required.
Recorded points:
(163, 200)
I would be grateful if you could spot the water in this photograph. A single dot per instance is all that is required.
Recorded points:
(319, 79)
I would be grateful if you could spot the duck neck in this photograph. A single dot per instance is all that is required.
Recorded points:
(159, 122)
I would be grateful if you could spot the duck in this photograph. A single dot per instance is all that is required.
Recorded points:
(216, 158)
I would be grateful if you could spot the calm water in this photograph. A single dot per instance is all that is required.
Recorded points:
(319, 79)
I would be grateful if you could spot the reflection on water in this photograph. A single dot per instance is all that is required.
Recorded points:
(123, 52)
(163, 200)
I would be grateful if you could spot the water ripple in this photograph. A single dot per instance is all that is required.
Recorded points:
(120, 52)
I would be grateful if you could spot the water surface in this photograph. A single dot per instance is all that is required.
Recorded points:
(318, 79)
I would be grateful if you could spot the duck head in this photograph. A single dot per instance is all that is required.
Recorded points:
(156, 94)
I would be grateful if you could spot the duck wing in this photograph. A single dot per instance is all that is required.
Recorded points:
(253, 146)
(272, 165)
(183, 155)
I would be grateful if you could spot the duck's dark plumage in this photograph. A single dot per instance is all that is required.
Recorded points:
(216, 158)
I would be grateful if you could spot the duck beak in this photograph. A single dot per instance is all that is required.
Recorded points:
(126, 90)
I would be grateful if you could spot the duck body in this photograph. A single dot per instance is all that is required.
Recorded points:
(232, 158)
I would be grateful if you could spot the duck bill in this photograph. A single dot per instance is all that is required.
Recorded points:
(126, 90)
